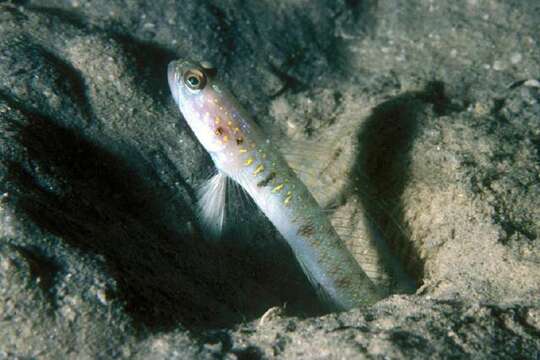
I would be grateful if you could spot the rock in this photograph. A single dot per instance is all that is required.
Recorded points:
(417, 123)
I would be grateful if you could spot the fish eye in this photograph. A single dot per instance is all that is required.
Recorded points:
(194, 79)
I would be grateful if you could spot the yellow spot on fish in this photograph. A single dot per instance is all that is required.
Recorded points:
(229, 123)
(243, 151)
(278, 188)
(225, 138)
(217, 120)
(236, 129)
(288, 198)
(259, 169)
(249, 161)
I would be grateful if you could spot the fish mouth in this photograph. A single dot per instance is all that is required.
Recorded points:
(174, 72)
(173, 77)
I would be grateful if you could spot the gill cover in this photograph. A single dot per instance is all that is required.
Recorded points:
(191, 86)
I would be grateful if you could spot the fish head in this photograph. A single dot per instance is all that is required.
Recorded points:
(203, 103)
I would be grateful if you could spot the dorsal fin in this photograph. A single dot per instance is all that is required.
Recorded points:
(322, 162)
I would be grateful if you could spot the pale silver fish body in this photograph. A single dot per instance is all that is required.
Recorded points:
(240, 149)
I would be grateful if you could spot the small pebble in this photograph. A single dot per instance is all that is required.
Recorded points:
(102, 296)
(532, 83)
(498, 65)
(516, 58)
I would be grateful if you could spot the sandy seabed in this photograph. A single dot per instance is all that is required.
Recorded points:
(417, 124)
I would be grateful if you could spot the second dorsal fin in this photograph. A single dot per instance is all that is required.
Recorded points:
(327, 163)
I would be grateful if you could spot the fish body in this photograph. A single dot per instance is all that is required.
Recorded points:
(242, 152)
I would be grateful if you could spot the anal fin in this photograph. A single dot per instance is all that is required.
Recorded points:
(322, 294)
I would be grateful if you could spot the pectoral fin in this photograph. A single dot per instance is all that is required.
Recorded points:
(211, 205)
